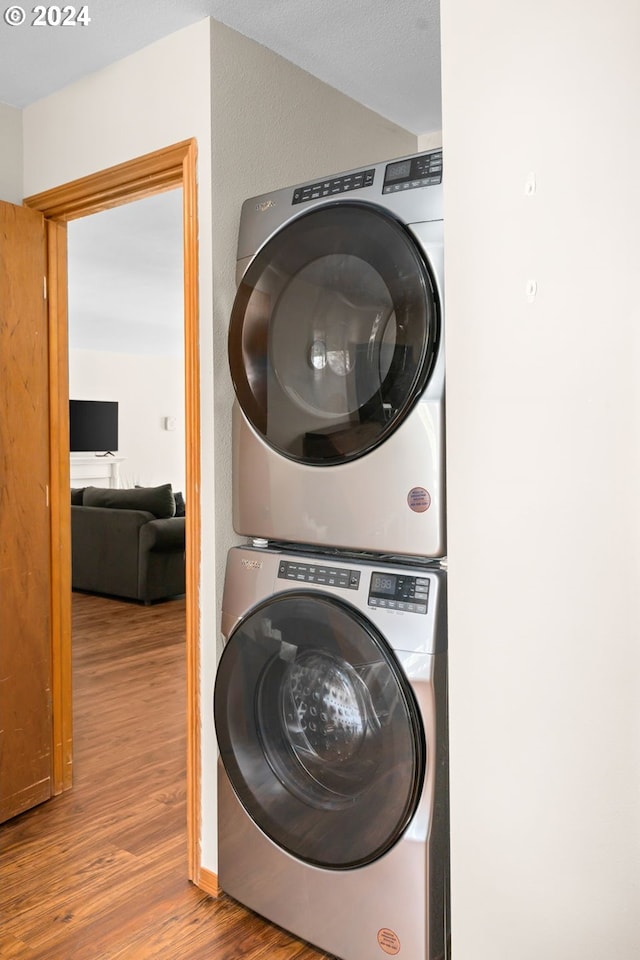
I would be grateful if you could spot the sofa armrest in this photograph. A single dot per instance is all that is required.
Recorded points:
(162, 559)
(167, 534)
(104, 549)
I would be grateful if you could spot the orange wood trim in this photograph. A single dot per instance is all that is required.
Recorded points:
(166, 169)
(60, 509)
(193, 524)
(152, 173)
(209, 883)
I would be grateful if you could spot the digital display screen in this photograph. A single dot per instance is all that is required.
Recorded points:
(397, 171)
(383, 583)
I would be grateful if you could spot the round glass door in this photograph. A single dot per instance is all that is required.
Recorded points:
(333, 333)
(318, 730)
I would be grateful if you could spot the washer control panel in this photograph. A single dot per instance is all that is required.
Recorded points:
(319, 573)
(422, 171)
(329, 188)
(399, 592)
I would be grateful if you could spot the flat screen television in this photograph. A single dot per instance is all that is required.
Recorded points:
(93, 426)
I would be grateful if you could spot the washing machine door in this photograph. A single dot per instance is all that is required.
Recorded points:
(318, 730)
(334, 333)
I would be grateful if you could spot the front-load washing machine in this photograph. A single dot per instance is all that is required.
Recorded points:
(336, 352)
(331, 715)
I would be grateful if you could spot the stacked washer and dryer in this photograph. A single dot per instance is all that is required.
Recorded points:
(331, 694)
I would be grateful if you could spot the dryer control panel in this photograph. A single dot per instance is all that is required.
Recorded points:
(422, 171)
(319, 573)
(329, 188)
(399, 592)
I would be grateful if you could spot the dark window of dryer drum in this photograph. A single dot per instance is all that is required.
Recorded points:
(333, 333)
(318, 730)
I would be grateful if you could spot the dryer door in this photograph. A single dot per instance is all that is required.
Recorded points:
(334, 332)
(319, 731)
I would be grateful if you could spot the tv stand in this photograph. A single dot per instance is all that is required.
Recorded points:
(95, 471)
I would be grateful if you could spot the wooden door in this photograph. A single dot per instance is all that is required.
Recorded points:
(25, 553)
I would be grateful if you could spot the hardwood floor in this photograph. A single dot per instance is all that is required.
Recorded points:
(99, 872)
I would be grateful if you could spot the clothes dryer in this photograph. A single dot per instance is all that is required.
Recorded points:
(336, 351)
(331, 715)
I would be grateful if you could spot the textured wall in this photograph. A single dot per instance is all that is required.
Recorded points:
(542, 206)
(10, 154)
(430, 141)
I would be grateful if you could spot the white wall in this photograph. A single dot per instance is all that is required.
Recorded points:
(273, 125)
(430, 141)
(543, 477)
(148, 389)
(10, 154)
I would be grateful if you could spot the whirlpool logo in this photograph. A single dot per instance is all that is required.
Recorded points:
(252, 564)
(265, 205)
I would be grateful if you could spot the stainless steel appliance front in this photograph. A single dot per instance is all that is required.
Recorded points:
(330, 710)
(336, 351)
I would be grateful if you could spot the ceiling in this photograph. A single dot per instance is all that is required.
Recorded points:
(383, 53)
(125, 274)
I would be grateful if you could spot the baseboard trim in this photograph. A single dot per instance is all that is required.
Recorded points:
(208, 881)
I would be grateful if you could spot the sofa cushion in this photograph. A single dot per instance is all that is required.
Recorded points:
(178, 497)
(156, 500)
(76, 496)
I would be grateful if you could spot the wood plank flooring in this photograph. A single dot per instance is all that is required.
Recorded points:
(99, 873)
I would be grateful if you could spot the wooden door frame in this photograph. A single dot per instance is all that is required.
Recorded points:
(165, 169)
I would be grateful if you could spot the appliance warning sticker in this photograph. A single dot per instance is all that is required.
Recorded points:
(419, 499)
(388, 941)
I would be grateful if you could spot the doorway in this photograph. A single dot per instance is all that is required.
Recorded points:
(162, 170)
(126, 344)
